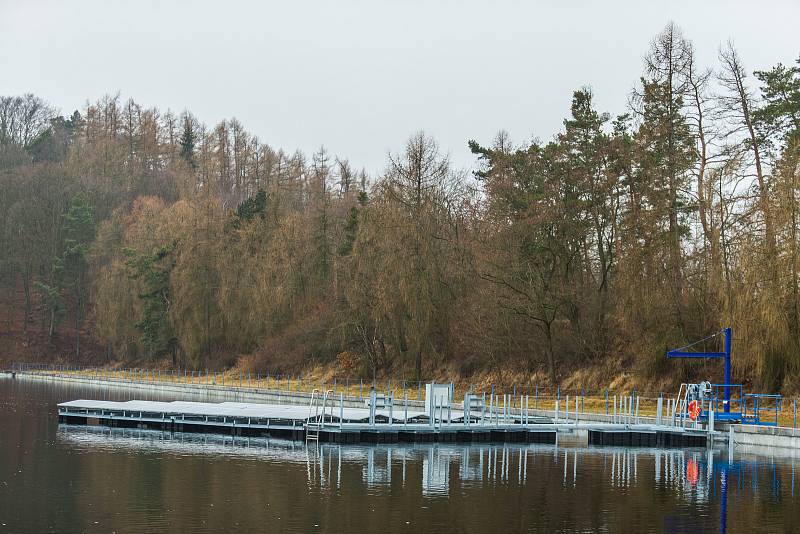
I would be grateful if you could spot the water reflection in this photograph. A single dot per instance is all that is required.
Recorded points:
(697, 475)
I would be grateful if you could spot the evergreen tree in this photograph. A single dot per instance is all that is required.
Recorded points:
(53, 143)
(70, 269)
(253, 206)
(351, 226)
(79, 231)
(319, 204)
(585, 151)
(153, 272)
(187, 142)
(781, 93)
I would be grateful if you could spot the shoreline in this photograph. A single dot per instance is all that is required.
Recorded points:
(750, 438)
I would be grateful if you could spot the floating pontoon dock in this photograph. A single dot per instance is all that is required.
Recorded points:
(339, 424)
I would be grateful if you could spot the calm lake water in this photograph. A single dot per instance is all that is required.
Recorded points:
(60, 478)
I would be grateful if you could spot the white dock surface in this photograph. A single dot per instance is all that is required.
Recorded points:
(242, 409)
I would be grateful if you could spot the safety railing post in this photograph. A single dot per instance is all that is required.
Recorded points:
(614, 420)
(659, 406)
(405, 409)
(432, 412)
(527, 408)
(467, 411)
(372, 399)
(583, 396)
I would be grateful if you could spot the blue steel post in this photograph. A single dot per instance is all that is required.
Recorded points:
(727, 370)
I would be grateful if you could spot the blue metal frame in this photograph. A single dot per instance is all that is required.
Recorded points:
(753, 400)
(745, 408)
(758, 409)
(735, 395)
(725, 355)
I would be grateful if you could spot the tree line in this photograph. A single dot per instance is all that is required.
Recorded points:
(157, 237)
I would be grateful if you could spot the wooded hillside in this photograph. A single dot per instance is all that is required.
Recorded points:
(155, 236)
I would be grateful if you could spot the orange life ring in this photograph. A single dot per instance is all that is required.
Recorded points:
(694, 410)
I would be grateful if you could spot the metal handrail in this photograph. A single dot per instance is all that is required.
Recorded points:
(311, 404)
(758, 409)
(309, 424)
(319, 415)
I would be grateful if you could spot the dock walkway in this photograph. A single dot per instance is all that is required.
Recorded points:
(341, 424)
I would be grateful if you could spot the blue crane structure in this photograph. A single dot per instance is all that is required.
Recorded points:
(750, 405)
(725, 354)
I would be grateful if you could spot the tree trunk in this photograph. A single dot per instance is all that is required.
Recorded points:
(795, 306)
(26, 286)
(551, 358)
(51, 329)
(77, 329)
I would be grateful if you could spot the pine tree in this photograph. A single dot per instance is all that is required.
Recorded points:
(781, 92)
(70, 269)
(187, 142)
(351, 226)
(153, 271)
(253, 206)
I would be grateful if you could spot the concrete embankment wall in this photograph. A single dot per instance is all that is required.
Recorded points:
(765, 437)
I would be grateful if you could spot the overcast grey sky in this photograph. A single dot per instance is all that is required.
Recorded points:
(360, 76)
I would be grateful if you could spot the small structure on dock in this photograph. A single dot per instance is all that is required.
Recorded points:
(726, 402)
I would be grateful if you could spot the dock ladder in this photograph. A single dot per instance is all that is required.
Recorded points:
(316, 414)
